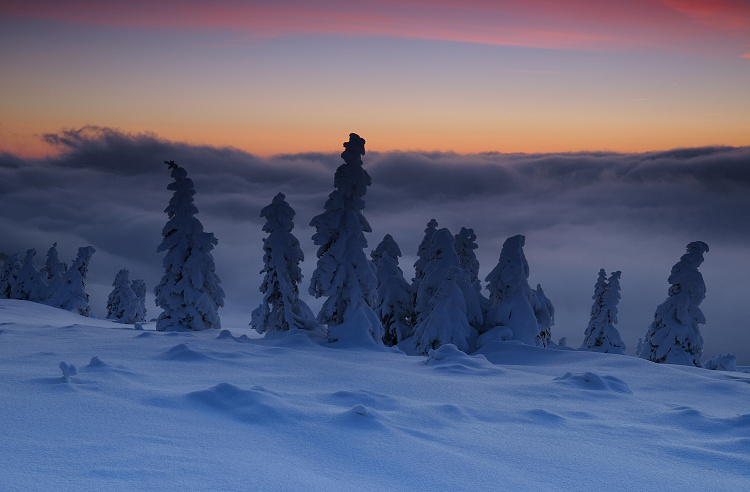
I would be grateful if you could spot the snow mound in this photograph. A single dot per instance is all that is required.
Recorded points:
(255, 406)
(68, 371)
(721, 362)
(367, 398)
(450, 359)
(182, 352)
(96, 362)
(544, 417)
(591, 381)
(145, 334)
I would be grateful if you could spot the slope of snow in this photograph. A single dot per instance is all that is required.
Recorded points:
(212, 410)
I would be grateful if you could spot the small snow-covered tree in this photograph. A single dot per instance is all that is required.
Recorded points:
(29, 284)
(422, 251)
(601, 334)
(72, 295)
(674, 336)
(447, 320)
(465, 244)
(189, 292)
(139, 289)
(9, 276)
(281, 308)
(464, 313)
(511, 297)
(544, 312)
(122, 303)
(53, 267)
(343, 273)
(394, 307)
(53, 272)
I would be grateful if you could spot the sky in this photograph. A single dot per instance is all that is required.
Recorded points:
(611, 134)
(474, 76)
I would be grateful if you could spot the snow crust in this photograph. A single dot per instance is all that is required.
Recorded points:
(148, 410)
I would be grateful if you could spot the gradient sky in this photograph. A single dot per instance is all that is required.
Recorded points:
(509, 76)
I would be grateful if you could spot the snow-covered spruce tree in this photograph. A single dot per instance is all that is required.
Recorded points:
(465, 244)
(139, 289)
(53, 267)
(53, 272)
(443, 274)
(72, 295)
(448, 318)
(189, 292)
(545, 315)
(29, 284)
(281, 308)
(422, 250)
(9, 276)
(343, 273)
(510, 294)
(394, 307)
(122, 304)
(601, 334)
(674, 336)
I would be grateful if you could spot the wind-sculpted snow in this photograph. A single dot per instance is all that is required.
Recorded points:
(151, 410)
(591, 381)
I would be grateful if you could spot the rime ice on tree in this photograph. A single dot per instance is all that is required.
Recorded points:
(123, 304)
(674, 336)
(514, 304)
(343, 273)
(394, 307)
(601, 334)
(281, 308)
(189, 292)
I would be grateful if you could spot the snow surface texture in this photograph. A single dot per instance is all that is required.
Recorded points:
(674, 336)
(344, 274)
(189, 292)
(210, 410)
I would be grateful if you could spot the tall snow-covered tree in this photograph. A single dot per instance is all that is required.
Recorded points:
(422, 250)
(122, 303)
(511, 297)
(189, 292)
(394, 308)
(281, 308)
(139, 289)
(29, 284)
(343, 273)
(444, 275)
(601, 334)
(9, 276)
(72, 295)
(674, 336)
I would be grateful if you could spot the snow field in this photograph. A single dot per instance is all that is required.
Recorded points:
(223, 411)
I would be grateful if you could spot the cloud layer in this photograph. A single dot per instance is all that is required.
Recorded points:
(580, 212)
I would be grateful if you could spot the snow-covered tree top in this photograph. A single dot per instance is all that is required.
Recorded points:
(512, 270)
(279, 214)
(387, 246)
